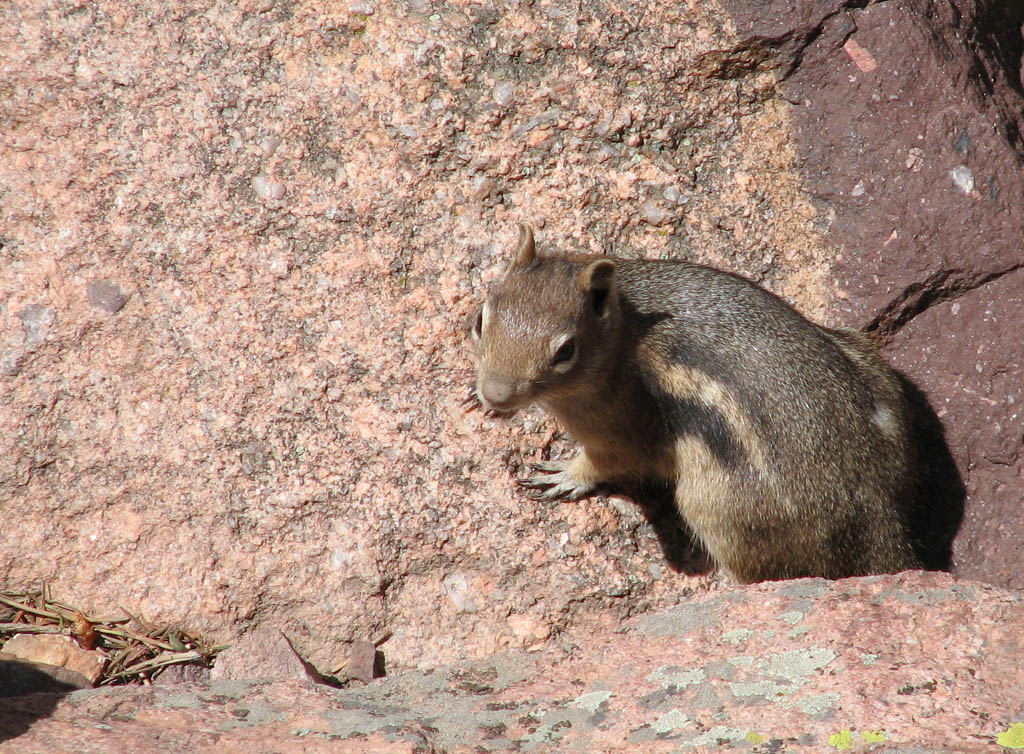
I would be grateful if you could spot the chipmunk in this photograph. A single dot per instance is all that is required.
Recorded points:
(787, 444)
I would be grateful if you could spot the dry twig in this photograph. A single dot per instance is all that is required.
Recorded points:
(136, 650)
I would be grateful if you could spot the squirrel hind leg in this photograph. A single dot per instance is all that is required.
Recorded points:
(559, 480)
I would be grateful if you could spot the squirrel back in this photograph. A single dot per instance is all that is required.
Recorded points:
(787, 443)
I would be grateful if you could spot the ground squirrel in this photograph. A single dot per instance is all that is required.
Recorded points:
(787, 444)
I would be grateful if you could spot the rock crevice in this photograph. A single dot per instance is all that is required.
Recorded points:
(947, 285)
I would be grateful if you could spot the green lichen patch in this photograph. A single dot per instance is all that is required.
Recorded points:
(841, 740)
(591, 702)
(1012, 737)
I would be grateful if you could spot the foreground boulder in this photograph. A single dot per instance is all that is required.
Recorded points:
(916, 661)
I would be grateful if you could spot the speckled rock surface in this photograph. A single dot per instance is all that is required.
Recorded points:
(263, 654)
(910, 663)
(238, 243)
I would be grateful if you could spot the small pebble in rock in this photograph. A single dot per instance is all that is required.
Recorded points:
(483, 187)
(915, 160)
(654, 214)
(605, 153)
(106, 295)
(35, 321)
(266, 188)
(503, 93)
(10, 363)
(614, 123)
(278, 267)
(963, 178)
(269, 145)
(456, 588)
(365, 663)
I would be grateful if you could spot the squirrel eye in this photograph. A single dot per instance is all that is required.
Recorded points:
(565, 352)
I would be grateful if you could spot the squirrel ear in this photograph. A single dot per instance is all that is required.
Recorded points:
(595, 280)
(527, 252)
(597, 276)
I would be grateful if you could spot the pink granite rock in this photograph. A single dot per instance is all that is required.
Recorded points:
(917, 662)
(255, 415)
(19, 677)
(262, 654)
(238, 245)
(59, 651)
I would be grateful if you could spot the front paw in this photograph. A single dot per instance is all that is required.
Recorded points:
(553, 480)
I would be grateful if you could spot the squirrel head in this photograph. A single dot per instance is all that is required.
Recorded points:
(547, 328)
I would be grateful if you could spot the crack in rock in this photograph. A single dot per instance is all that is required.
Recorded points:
(918, 297)
(786, 50)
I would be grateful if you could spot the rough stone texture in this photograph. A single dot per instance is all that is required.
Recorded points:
(183, 673)
(59, 651)
(912, 663)
(908, 121)
(264, 653)
(982, 380)
(306, 200)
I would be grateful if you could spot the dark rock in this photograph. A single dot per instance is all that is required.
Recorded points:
(107, 296)
(964, 357)
(908, 119)
(365, 663)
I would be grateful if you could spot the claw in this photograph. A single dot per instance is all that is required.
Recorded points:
(548, 467)
(471, 401)
(538, 496)
(551, 481)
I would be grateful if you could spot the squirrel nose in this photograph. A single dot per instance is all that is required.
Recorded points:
(496, 392)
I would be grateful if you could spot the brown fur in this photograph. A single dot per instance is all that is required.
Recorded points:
(787, 443)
